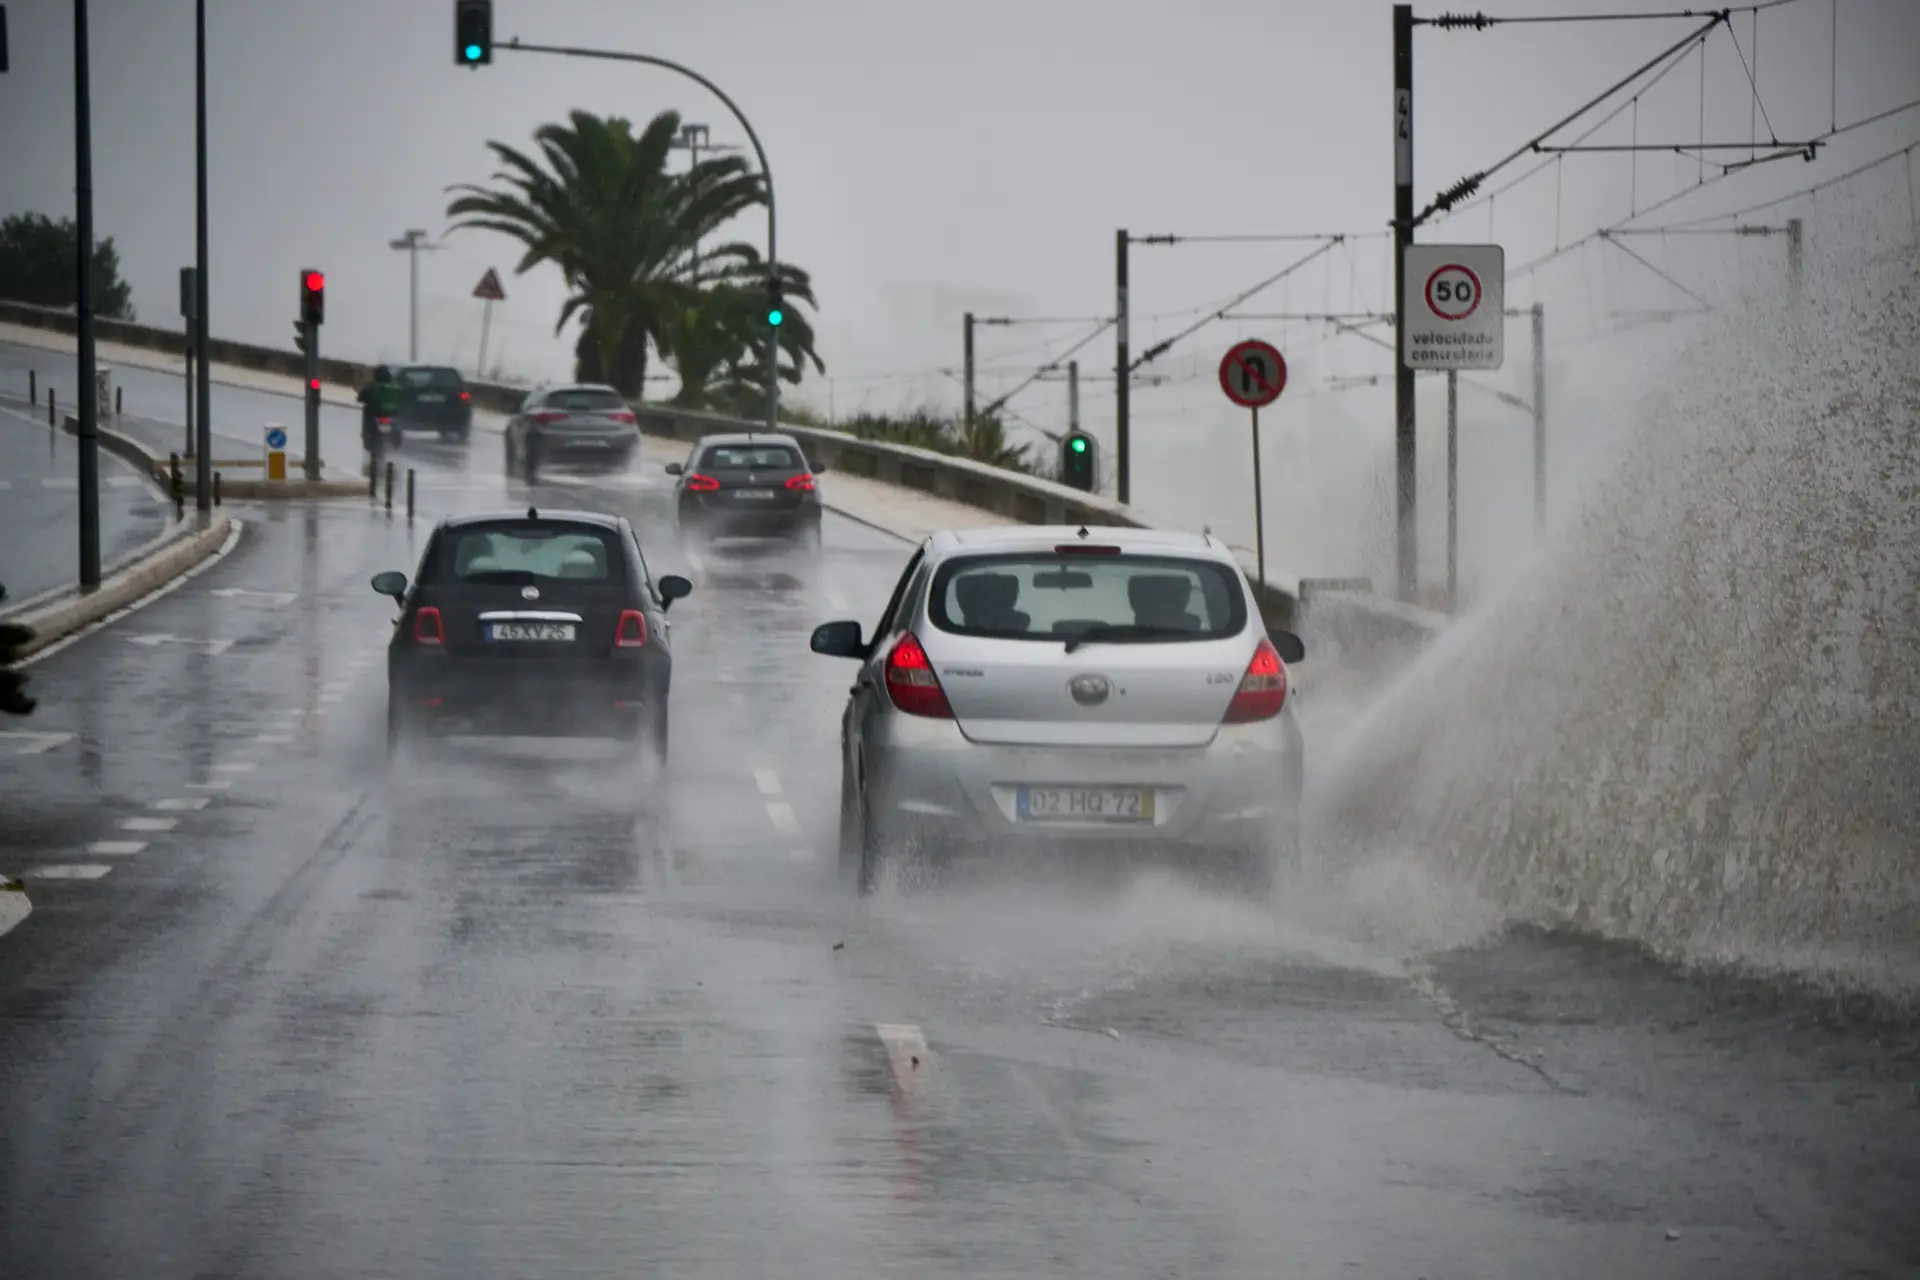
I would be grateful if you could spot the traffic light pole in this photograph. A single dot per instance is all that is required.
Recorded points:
(1403, 394)
(312, 467)
(203, 454)
(766, 171)
(966, 346)
(1122, 373)
(89, 387)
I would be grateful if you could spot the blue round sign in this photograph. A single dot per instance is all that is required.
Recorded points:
(276, 439)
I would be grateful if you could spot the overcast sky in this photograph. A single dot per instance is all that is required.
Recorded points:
(929, 158)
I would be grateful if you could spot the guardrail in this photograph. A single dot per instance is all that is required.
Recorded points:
(1341, 609)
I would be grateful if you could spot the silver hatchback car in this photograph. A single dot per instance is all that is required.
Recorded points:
(1048, 687)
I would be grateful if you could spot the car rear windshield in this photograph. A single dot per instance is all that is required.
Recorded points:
(435, 379)
(582, 401)
(750, 457)
(1045, 596)
(522, 554)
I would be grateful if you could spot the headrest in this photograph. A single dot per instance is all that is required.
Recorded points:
(986, 593)
(1159, 593)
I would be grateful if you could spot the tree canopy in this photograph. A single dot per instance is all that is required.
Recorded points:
(40, 264)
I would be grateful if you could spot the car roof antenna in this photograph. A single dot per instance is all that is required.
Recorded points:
(532, 514)
(1083, 531)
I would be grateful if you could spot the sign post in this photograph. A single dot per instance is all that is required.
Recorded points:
(189, 306)
(276, 459)
(488, 289)
(1456, 319)
(1254, 373)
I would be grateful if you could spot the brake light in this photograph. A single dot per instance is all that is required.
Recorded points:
(623, 415)
(546, 415)
(1263, 689)
(702, 484)
(911, 683)
(631, 631)
(1085, 549)
(386, 422)
(427, 628)
(803, 484)
(466, 395)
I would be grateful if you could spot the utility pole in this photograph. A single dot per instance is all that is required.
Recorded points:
(1122, 375)
(89, 386)
(1539, 421)
(203, 459)
(1073, 395)
(1795, 260)
(1453, 490)
(966, 347)
(411, 244)
(1403, 393)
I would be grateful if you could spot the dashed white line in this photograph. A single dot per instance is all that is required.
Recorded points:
(233, 540)
(783, 819)
(34, 744)
(148, 824)
(14, 906)
(181, 804)
(236, 766)
(768, 781)
(906, 1047)
(117, 848)
(216, 784)
(71, 871)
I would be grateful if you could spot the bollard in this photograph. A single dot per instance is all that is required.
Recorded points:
(389, 486)
(177, 486)
(33, 386)
(373, 479)
(53, 419)
(216, 488)
(409, 493)
(118, 394)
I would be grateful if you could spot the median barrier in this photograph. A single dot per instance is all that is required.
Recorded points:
(176, 553)
(160, 471)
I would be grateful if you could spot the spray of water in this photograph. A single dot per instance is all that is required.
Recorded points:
(1695, 719)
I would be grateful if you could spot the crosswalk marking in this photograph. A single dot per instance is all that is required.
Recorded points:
(74, 871)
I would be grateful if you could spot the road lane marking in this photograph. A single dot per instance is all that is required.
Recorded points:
(117, 848)
(236, 766)
(148, 824)
(165, 588)
(217, 784)
(783, 819)
(59, 482)
(72, 871)
(768, 781)
(181, 804)
(273, 739)
(14, 906)
(34, 744)
(906, 1048)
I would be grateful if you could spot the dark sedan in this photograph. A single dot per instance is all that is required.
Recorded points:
(433, 398)
(542, 624)
(757, 485)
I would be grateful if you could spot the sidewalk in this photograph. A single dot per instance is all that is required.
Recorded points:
(39, 509)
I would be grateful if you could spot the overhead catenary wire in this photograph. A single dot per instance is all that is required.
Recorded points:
(1160, 348)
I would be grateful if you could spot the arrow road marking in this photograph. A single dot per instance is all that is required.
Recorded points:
(34, 744)
(155, 639)
(117, 848)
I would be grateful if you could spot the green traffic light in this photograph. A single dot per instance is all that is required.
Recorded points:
(473, 53)
(1079, 444)
(775, 316)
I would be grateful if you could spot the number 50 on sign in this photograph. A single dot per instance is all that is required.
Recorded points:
(1456, 307)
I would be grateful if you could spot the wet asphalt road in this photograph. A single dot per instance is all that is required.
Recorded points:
(275, 1015)
(40, 502)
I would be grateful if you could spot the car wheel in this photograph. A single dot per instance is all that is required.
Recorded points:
(810, 538)
(849, 851)
(657, 736)
(530, 454)
(402, 734)
(872, 850)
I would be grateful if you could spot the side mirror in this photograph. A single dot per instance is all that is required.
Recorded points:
(839, 640)
(673, 587)
(819, 468)
(1287, 645)
(391, 583)
(674, 469)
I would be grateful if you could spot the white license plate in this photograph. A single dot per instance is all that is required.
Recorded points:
(530, 631)
(754, 495)
(432, 399)
(1085, 804)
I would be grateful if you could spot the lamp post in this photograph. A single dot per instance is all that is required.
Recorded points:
(411, 244)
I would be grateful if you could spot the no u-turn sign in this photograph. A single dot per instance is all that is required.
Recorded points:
(1456, 306)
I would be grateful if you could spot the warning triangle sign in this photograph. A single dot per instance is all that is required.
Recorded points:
(489, 287)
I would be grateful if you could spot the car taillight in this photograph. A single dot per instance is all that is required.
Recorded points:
(1263, 689)
(623, 416)
(803, 484)
(702, 484)
(427, 628)
(631, 631)
(386, 422)
(911, 683)
(466, 395)
(544, 416)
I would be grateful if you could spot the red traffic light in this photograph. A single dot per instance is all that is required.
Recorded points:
(315, 282)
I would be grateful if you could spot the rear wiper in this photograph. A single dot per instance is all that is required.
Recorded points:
(1123, 631)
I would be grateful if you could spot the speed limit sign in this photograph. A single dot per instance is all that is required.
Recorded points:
(1456, 307)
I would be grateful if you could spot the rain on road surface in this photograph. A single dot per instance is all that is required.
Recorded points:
(275, 1015)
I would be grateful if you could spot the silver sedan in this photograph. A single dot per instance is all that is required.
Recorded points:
(1043, 687)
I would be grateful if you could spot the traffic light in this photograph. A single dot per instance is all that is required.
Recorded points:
(776, 308)
(313, 296)
(472, 32)
(13, 684)
(299, 337)
(1079, 461)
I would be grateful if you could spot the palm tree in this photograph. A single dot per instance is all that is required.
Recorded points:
(718, 340)
(599, 204)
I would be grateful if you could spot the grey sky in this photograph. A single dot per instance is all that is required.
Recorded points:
(929, 158)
